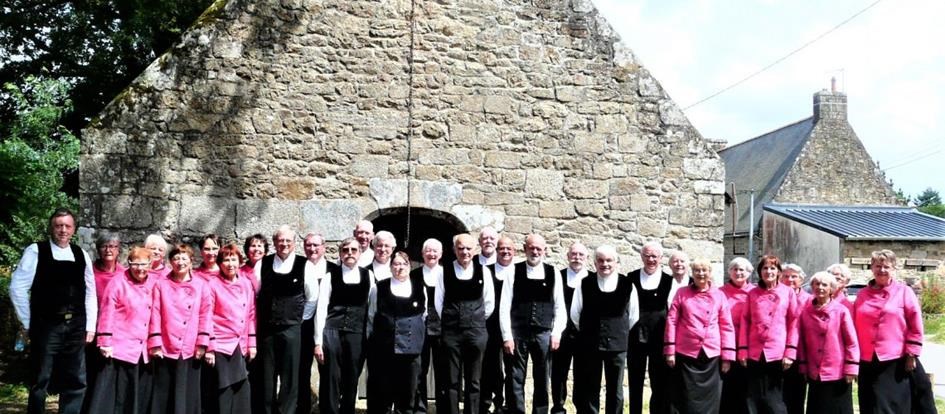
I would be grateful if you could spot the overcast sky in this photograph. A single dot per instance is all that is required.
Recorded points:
(890, 61)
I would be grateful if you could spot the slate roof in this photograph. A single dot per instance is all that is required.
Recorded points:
(865, 223)
(761, 164)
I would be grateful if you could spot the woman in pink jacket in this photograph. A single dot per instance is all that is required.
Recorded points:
(767, 338)
(234, 335)
(209, 249)
(180, 335)
(827, 353)
(699, 342)
(735, 382)
(255, 248)
(158, 247)
(795, 385)
(123, 383)
(888, 323)
(106, 267)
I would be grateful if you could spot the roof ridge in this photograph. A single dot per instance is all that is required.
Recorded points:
(768, 133)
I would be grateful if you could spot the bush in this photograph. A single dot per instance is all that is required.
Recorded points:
(933, 295)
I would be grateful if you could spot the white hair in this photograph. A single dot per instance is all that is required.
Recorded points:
(283, 230)
(741, 262)
(386, 235)
(607, 250)
(844, 269)
(796, 268)
(155, 240)
(577, 245)
(367, 225)
(825, 278)
(432, 244)
(680, 254)
(652, 244)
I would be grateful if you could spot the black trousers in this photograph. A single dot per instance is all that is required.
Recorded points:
(735, 390)
(306, 358)
(795, 390)
(765, 383)
(830, 397)
(391, 381)
(176, 386)
(588, 365)
(643, 357)
(464, 349)
(94, 362)
(433, 355)
(122, 388)
(493, 377)
(537, 346)
(338, 377)
(560, 366)
(884, 387)
(278, 349)
(57, 350)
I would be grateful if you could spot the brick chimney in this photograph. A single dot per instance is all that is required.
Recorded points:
(830, 105)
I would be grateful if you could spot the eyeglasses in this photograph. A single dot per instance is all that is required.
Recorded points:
(350, 249)
(138, 264)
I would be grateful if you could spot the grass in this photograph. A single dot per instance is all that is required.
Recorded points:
(934, 327)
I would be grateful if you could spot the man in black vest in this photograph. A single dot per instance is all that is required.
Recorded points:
(570, 278)
(364, 233)
(604, 308)
(53, 292)
(384, 245)
(488, 238)
(314, 246)
(493, 376)
(532, 317)
(340, 324)
(287, 285)
(653, 287)
(433, 352)
(464, 299)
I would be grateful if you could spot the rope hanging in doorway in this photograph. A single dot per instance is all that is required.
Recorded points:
(410, 69)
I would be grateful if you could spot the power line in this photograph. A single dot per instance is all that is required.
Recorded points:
(907, 162)
(783, 58)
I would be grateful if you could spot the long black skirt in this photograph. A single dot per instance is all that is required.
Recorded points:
(176, 386)
(735, 390)
(698, 385)
(829, 397)
(228, 381)
(765, 382)
(122, 388)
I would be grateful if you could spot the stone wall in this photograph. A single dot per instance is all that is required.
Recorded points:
(528, 116)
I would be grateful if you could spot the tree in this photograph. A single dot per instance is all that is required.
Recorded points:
(35, 152)
(927, 198)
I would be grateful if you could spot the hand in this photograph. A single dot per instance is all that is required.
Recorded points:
(89, 337)
(910, 363)
(786, 363)
(106, 351)
(743, 362)
(726, 365)
(210, 358)
(200, 351)
(555, 343)
(156, 352)
(509, 347)
(252, 353)
(850, 378)
(671, 361)
(319, 355)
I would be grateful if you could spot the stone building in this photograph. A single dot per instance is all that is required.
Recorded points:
(816, 161)
(426, 117)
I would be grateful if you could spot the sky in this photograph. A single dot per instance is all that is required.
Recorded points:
(889, 60)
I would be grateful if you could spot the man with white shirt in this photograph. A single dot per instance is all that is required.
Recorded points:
(340, 325)
(314, 246)
(433, 352)
(604, 309)
(53, 292)
(384, 244)
(532, 317)
(287, 285)
(679, 269)
(493, 377)
(364, 233)
(646, 337)
(464, 299)
(570, 279)
(487, 243)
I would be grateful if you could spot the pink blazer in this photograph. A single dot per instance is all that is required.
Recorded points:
(699, 321)
(769, 325)
(737, 302)
(180, 317)
(888, 322)
(102, 279)
(234, 315)
(828, 348)
(124, 317)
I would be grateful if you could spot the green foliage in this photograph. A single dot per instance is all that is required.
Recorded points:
(937, 210)
(933, 295)
(35, 152)
(927, 198)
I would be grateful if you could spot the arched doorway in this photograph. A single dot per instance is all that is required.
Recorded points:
(424, 224)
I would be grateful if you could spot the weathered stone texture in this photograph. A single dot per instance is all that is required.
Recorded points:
(529, 116)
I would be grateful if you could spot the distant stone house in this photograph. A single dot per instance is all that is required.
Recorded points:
(428, 118)
(815, 162)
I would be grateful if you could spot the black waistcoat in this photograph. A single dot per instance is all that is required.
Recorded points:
(533, 300)
(347, 306)
(492, 324)
(570, 330)
(59, 285)
(433, 319)
(604, 323)
(653, 307)
(463, 306)
(281, 299)
(398, 321)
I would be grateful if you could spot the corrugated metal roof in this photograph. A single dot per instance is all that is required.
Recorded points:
(865, 222)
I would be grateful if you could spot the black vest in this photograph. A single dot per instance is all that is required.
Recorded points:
(347, 307)
(463, 306)
(398, 322)
(570, 330)
(604, 323)
(281, 298)
(492, 324)
(433, 319)
(533, 300)
(59, 286)
(653, 307)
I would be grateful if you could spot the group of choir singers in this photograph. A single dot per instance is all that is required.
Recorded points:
(239, 332)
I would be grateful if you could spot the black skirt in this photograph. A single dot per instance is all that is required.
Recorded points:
(698, 384)
(829, 397)
(176, 386)
(230, 369)
(122, 388)
(765, 382)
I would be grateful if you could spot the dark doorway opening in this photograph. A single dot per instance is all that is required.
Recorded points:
(424, 224)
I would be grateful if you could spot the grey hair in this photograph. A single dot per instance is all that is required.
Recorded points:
(740, 262)
(432, 244)
(283, 230)
(608, 250)
(825, 278)
(844, 269)
(796, 268)
(652, 244)
(104, 237)
(385, 235)
(155, 240)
